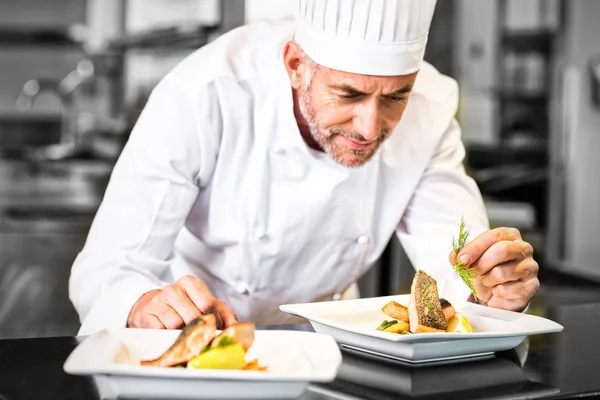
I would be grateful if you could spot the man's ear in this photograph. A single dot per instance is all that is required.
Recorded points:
(294, 63)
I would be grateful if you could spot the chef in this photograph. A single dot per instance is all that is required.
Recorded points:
(273, 166)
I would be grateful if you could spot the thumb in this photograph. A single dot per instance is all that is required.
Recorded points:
(227, 315)
(484, 293)
(452, 257)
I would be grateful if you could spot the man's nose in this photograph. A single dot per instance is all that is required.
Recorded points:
(367, 120)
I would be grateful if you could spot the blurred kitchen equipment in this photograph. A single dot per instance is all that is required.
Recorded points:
(35, 87)
(574, 218)
(595, 77)
(75, 156)
(70, 140)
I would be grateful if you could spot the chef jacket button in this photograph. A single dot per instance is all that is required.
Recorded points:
(258, 234)
(278, 149)
(337, 296)
(362, 240)
(243, 288)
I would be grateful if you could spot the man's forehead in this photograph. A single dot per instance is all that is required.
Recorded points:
(366, 83)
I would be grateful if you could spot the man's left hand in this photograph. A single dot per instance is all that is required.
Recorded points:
(507, 266)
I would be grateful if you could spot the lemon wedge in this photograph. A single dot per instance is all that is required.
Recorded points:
(459, 323)
(231, 356)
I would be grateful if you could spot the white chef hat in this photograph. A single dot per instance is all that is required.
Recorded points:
(369, 37)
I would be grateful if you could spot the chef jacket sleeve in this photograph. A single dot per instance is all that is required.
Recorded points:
(152, 188)
(431, 221)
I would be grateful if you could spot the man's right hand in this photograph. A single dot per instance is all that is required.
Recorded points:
(177, 305)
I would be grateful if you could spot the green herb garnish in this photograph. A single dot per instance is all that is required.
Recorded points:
(383, 324)
(466, 274)
(386, 324)
(222, 342)
(225, 341)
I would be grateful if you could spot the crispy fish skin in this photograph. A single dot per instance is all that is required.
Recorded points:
(192, 340)
(424, 308)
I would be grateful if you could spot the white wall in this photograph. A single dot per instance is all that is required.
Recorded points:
(151, 14)
(269, 10)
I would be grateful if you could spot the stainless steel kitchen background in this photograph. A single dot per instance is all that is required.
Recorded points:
(75, 74)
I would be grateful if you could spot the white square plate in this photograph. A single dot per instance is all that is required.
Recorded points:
(293, 358)
(353, 324)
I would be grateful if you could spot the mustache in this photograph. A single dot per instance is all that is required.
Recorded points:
(357, 137)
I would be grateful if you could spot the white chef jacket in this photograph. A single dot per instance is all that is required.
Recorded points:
(216, 181)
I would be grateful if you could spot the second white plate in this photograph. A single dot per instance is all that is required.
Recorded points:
(353, 323)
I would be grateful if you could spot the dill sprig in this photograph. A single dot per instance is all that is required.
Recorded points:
(466, 274)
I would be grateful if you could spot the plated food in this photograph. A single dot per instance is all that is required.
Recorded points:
(426, 311)
(200, 347)
(352, 324)
(294, 359)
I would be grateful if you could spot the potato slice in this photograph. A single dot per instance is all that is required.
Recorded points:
(396, 311)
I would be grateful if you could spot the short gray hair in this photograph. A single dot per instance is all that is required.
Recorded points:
(311, 67)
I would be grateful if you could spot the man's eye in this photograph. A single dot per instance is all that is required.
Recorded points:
(350, 96)
(395, 98)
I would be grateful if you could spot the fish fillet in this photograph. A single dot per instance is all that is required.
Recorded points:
(424, 308)
(447, 309)
(192, 340)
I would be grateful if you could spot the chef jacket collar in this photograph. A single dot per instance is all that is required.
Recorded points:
(288, 137)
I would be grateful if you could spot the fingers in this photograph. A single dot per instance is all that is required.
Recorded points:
(138, 318)
(199, 294)
(509, 286)
(523, 270)
(167, 315)
(513, 296)
(227, 315)
(506, 266)
(499, 253)
(151, 321)
(478, 246)
(177, 305)
(177, 298)
(201, 297)
(498, 277)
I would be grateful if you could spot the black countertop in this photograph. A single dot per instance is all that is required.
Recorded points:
(559, 365)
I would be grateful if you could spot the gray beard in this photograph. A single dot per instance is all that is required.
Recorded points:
(324, 138)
